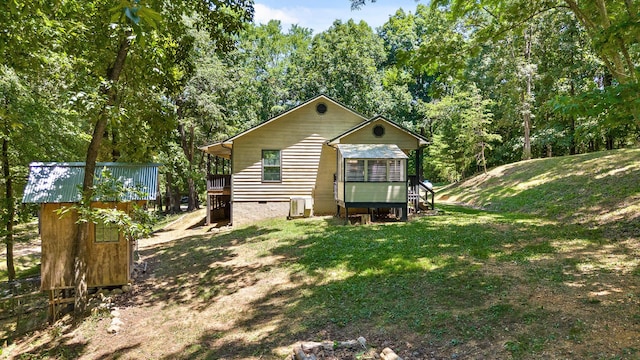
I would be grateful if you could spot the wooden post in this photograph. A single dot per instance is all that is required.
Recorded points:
(419, 174)
(208, 221)
(346, 213)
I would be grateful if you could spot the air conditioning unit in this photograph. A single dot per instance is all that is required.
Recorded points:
(296, 207)
(300, 207)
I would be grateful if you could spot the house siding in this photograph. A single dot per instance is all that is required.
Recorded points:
(392, 135)
(375, 192)
(308, 164)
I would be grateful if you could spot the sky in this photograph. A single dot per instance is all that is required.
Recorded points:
(320, 14)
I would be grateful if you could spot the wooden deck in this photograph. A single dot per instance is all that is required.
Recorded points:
(218, 197)
(219, 184)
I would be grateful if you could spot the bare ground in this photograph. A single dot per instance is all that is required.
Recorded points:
(244, 314)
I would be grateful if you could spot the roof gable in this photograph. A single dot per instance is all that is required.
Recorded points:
(277, 117)
(61, 182)
(420, 140)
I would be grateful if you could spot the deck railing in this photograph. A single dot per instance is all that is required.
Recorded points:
(416, 191)
(218, 182)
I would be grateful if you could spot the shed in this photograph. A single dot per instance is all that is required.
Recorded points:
(109, 254)
(371, 176)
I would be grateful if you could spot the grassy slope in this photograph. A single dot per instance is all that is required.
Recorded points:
(601, 187)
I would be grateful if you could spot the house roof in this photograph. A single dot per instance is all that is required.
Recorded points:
(217, 149)
(422, 141)
(61, 182)
(371, 151)
(223, 148)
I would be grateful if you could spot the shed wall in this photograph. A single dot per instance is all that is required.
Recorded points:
(108, 264)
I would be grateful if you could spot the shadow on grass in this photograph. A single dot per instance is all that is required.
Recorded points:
(469, 283)
(466, 277)
(192, 269)
(579, 189)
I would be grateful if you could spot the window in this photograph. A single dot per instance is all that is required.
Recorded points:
(355, 170)
(377, 170)
(396, 170)
(321, 108)
(106, 233)
(271, 166)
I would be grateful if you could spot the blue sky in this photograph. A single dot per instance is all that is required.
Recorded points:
(319, 15)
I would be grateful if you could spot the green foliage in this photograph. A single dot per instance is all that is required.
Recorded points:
(343, 63)
(135, 224)
(461, 124)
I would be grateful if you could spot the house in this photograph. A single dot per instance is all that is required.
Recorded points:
(56, 186)
(314, 159)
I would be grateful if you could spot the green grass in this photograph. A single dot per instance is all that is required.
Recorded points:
(453, 280)
(572, 188)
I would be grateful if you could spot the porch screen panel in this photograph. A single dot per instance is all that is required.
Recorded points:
(396, 170)
(355, 170)
(377, 170)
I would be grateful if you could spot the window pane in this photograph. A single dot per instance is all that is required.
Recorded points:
(396, 170)
(271, 157)
(355, 170)
(377, 170)
(106, 233)
(271, 165)
(271, 173)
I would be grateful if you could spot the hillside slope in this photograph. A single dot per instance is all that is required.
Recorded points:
(596, 188)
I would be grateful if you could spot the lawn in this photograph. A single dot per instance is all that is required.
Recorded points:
(464, 284)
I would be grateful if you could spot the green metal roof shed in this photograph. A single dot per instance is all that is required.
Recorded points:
(61, 182)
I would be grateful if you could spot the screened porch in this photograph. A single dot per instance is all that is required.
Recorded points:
(371, 176)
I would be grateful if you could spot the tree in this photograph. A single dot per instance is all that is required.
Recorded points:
(462, 134)
(102, 39)
(14, 100)
(610, 26)
(344, 62)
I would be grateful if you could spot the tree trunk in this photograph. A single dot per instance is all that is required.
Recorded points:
(169, 203)
(10, 201)
(158, 198)
(483, 159)
(187, 141)
(526, 101)
(80, 246)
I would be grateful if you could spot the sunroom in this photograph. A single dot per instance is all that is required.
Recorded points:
(371, 176)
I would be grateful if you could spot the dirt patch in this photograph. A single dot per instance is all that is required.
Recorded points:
(215, 292)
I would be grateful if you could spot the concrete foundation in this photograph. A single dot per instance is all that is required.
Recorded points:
(248, 212)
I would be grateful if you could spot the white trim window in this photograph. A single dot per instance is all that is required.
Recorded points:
(396, 170)
(271, 166)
